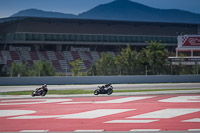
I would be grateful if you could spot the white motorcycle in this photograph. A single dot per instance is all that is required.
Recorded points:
(39, 92)
(107, 89)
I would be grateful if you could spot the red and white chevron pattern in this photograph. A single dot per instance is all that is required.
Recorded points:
(97, 114)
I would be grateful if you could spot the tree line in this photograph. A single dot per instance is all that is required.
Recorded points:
(151, 60)
(39, 68)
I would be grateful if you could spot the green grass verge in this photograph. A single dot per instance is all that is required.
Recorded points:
(69, 92)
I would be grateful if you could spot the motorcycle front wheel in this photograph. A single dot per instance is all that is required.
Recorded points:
(109, 91)
(44, 93)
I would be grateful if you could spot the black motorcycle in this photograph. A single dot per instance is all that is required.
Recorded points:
(104, 90)
(39, 92)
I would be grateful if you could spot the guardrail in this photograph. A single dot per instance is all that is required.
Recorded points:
(99, 79)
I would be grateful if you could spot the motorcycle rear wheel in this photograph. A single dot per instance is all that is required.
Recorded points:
(96, 92)
(33, 94)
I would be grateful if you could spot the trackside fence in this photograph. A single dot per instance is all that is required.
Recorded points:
(99, 79)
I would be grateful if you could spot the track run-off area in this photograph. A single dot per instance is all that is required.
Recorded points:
(171, 112)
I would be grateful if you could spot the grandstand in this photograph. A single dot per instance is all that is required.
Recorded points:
(59, 41)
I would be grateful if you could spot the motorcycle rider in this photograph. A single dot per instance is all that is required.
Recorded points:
(105, 86)
(43, 88)
(105, 89)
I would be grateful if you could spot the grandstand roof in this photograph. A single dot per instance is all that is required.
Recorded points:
(56, 25)
(34, 30)
(8, 19)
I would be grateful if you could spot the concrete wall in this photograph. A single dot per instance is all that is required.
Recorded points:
(99, 79)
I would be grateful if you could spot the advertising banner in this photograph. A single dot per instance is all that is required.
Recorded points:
(189, 40)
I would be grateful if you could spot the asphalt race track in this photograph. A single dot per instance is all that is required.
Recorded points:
(94, 86)
(171, 112)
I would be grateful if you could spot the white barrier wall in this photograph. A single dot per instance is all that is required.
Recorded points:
(99, 79)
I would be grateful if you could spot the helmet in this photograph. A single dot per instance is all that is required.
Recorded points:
(109, 84)
(45, 85)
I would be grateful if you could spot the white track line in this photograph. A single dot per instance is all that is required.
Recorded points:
(127, 99)
(130, 121)
(182, 99)
(94, 113)
(83, 115)
(39, 131)
(146, 130)
(5, 113)
(35, 117)
(193, 129)
(118, 100)
(192, 120)
(167, 113)
(31, 101)
(89, 130)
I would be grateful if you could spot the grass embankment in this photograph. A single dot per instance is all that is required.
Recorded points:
(69, 92)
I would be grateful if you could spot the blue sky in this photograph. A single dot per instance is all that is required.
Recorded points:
(9, 7)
